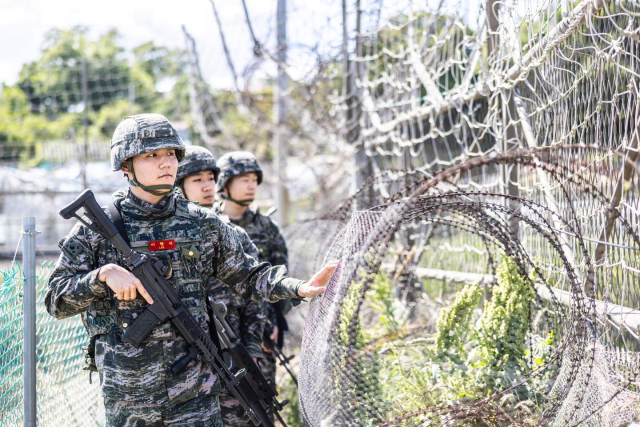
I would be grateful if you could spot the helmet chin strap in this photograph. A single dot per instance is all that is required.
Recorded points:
(245, 202)
(184, 193)
(156, 190)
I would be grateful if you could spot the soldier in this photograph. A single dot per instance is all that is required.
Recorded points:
(240, 176)
(89, 280)
(197, 176)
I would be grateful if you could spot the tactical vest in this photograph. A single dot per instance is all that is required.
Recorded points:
(175, 241)
(255, 229)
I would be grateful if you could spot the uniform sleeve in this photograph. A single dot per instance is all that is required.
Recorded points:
(247, 245)
(74, 283)
(253, 316)
(246, 276)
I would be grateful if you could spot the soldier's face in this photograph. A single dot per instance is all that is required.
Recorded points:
(200, 187)
(244, 186)
(156, 167)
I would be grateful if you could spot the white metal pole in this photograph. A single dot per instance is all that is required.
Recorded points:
(29, 303)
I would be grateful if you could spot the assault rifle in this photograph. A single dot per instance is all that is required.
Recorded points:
(254, 386)
(277, 352)
(166, 306)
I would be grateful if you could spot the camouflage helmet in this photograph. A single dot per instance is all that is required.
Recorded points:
(234, 164)
(141, 134)
(196, 159)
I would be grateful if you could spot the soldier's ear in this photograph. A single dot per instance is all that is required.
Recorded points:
(125, 169)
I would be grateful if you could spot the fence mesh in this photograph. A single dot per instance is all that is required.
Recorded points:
(490, 265)
(495, 279)
(64, 394)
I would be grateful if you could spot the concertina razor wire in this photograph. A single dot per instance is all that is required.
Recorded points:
(489, 270)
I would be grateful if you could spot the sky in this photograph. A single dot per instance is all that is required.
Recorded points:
(23, 24)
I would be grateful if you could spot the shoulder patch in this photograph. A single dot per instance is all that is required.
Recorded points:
(71, 248)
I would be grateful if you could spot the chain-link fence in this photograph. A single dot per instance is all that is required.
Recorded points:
(64, 393)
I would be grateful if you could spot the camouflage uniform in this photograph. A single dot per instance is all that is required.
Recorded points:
(264, 233)
(246, 318)
(136, 385)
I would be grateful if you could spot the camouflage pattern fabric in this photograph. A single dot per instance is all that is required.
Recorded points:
(265, 234)
(141, 134)
(231, 411)
(197, 159)
(268, 366)
(200, 412)
(205, 247)
(247, 319)
(234, 164)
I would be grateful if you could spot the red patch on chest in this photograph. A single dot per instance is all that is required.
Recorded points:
(162, 245)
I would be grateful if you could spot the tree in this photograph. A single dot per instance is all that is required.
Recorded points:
(47, 102)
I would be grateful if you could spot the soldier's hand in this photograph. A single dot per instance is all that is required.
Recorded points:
(124, 284)
(318, 282)
(274, 335)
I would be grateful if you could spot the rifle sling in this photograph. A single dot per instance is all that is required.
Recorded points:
(116, 217)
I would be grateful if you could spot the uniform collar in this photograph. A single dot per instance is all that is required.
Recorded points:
(136, 208)
(246, 219)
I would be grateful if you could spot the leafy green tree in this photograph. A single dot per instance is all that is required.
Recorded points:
(47, 102)
(54, 82)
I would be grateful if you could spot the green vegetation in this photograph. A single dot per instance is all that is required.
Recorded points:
(46, 104)
(47, 101)
(292, 412)
(479, 348)
(357, 380)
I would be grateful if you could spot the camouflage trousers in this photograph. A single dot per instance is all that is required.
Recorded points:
(233, 414)
(202, 411)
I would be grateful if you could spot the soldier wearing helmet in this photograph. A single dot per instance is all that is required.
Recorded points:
(197, 176)
(199, 172)
(196, 245)
(240, 176)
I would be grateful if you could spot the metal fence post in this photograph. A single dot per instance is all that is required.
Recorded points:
(29, 348)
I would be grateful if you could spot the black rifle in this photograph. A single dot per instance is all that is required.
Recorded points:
(254, 386)
(276, 350)
(167, 305)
